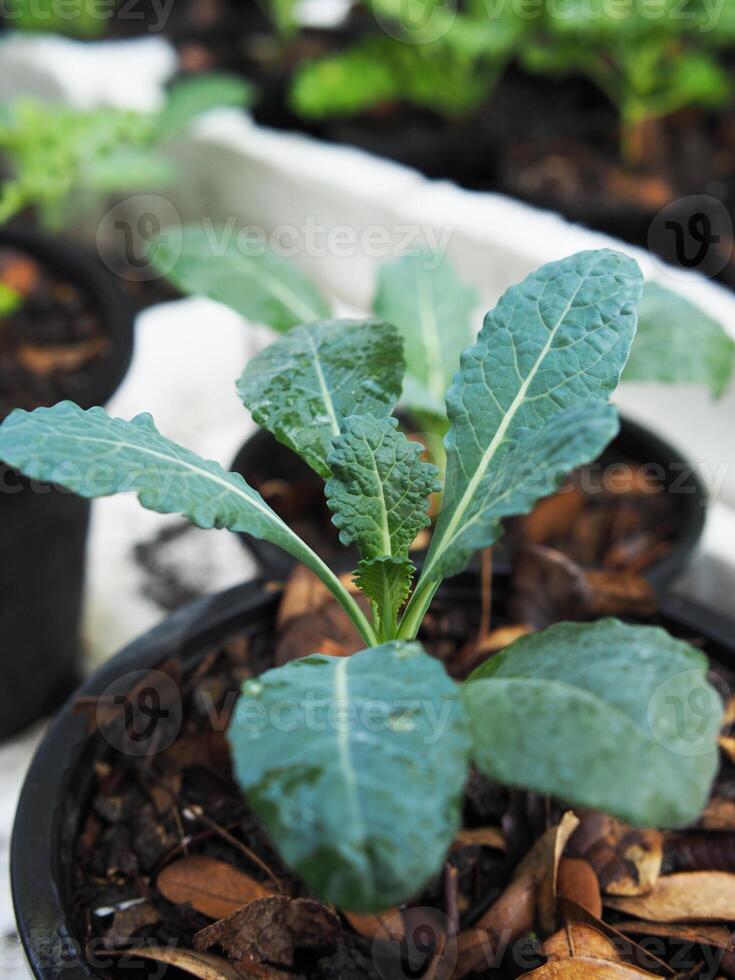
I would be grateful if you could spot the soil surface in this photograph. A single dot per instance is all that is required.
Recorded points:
(167, 851)
(51, 344)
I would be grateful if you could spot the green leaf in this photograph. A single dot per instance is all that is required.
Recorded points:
(557, 340)
(616, 717)
(379, 489)
(218, 263)
(677, 342)
(433, 308)
(95, 455)
(356, 766)
(191, 97)
(302, 387)
(10, 300)
(129, 168)
(386, 581)
(532, 467)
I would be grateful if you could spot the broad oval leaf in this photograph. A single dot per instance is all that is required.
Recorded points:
(302, 387)
(380, 487)
(558, 339)
(423, 296)
(677, 342)
(616, 717)
(247, 276)
(356, 766)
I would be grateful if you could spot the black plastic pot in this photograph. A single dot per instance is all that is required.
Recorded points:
(59, 782)
(43, 530)
(263, 458)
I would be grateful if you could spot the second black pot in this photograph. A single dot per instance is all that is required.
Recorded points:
(43, 530)
(263, 460)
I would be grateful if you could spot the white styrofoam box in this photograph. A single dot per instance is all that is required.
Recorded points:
(288, 184)
(188, 355)
(124, 74)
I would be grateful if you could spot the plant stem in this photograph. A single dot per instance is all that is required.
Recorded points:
(417, 608)
(303, 553)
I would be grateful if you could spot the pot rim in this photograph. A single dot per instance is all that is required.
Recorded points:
(38, 861)
(690, 527)
(98, 283)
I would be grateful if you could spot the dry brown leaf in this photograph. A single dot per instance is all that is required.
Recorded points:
(499, 639)
(727, 744)
(626, 860)
(20, 273)
(720, 937)
(270, 930)
(579, 939)
(728, 717)
(577, 882)
(546, 915)
(378, 925)
(586, 967)
(206, 966)
(45, 359)
(126, 923)
(695, 896)
(212, 887)
(701, 850)
(718, 815)
(627, 949)
(515, 913)
(553, 517)
(619, 593)
(305, 592)
(481, 837)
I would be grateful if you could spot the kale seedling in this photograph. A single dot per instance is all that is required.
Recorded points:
(61, 159)
(648, 67)
(357, 765)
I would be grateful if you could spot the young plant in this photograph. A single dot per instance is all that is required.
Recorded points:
(648, 67)
(62, 159)
(357, 765)
(648, 64)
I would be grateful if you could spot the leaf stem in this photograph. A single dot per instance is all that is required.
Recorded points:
(417, 607)
(302, 552)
